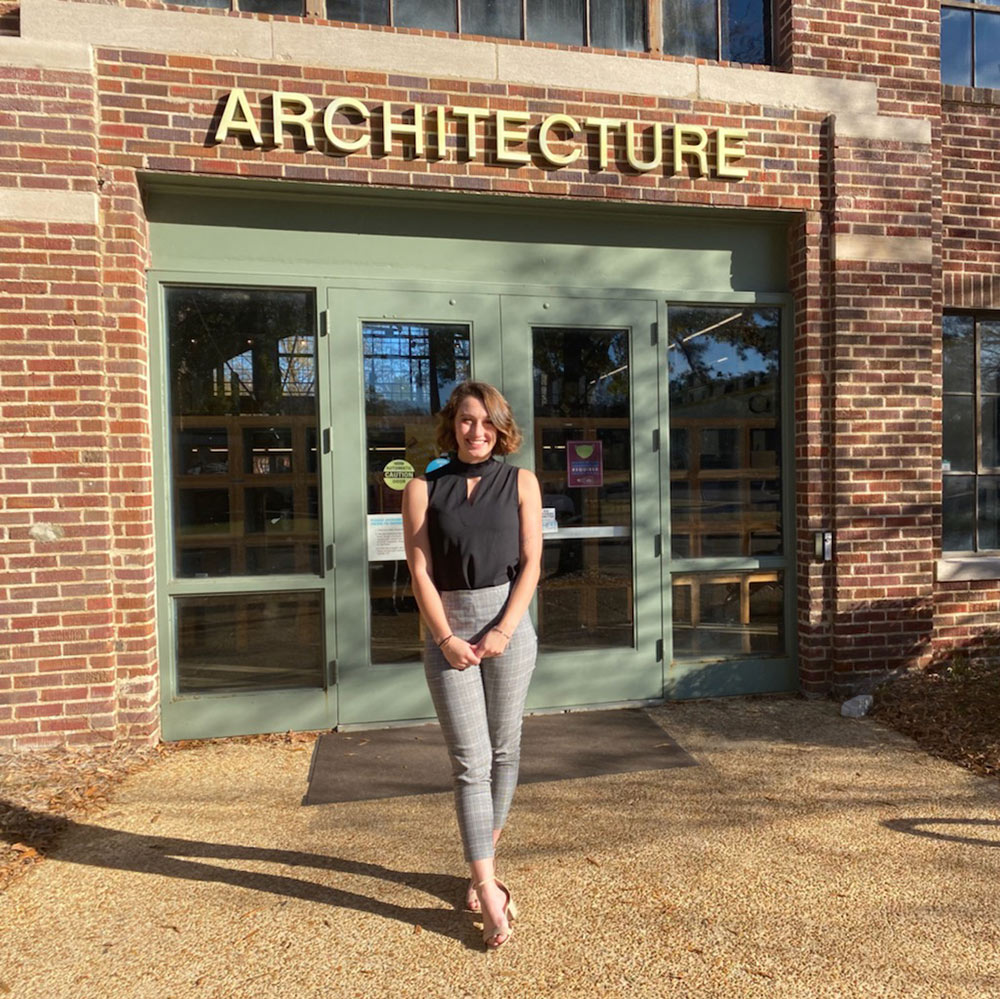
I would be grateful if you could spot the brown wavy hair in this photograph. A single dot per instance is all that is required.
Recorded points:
(508, 433)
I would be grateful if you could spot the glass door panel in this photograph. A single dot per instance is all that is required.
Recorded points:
(583, 458)
(582, 375)
(242, 641)
(726, 501)
(243, 431)
(410, 369)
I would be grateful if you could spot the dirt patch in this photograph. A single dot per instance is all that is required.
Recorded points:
(41, 789)
(951, 711)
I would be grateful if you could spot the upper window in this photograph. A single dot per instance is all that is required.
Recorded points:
(970, 44)
(970, 450)
(734, 30)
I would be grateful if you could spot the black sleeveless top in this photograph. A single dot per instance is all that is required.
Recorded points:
(473, 545)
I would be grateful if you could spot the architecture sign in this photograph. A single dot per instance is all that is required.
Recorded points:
(347, 125)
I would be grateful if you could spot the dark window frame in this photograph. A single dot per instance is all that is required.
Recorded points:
(979, 470)
(974, 9)
(653, 33)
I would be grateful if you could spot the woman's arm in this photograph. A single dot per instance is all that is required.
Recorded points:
(456, 650)
(529, 509)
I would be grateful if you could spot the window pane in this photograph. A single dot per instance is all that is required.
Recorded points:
(956, 46)
(583, 456)
(746, 31)
(250, 642)
(559, 21)
(727, 615)
(410, 369)
(243, 425)
(957, 513)
(989, 512)
(618, 24)
(958, 341)
(725, 438)
(689, 28)
(439, 15)
(989, 355)
(958, 452)
(989, 429)
(497, 18)
(361, 11)
(987, 50)
(292, 7)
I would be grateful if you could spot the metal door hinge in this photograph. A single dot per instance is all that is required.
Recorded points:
(656, 439)
(331, 557)
(657, 545)
(654, 334)
(326, 440)
(324, 323)
(334, 678)
(659, 650)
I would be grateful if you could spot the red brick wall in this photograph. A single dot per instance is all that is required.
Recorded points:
(886, 483)
(61, 564)
(159, 112)
(967, 612)
(970, 247)
(79, 659)
(809, 268)
(896, 44)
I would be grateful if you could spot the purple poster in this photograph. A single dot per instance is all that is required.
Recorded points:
(584, 463)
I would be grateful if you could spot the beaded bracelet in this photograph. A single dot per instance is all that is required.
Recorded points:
(444, 640)
(504, 633)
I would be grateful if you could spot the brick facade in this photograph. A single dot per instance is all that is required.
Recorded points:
(887, 198)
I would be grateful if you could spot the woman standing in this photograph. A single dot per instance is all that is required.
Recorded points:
(473, 532)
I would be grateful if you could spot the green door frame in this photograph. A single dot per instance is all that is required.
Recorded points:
(340, 381)
(190, 716)
(602, 676)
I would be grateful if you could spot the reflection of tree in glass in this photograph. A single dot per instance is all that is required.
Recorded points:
(712, 344)
(581, 372)
(989, 355)
(746, 31)
(412, 368)
(958, 347)
(238, 350)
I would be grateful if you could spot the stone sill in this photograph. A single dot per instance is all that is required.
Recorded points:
(955, 568)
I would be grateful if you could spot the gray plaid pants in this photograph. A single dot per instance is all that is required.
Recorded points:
(480, 709)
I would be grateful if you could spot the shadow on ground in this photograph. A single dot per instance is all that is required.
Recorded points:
(97, 846)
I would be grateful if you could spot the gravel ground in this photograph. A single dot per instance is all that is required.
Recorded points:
(807, 855)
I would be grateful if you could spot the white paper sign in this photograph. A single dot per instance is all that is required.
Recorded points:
(549, 525)
(385, 537)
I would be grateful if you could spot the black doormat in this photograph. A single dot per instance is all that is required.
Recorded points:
(391, 762)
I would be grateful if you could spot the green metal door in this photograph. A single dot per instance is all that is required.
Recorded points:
(396, 357)
(582, 374)
(246, 611)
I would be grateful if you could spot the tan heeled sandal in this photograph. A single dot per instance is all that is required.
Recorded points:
(509, 912)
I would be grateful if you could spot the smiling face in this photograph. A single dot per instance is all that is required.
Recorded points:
(474, 431)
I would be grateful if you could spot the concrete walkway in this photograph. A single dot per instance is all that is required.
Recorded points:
(807, 855)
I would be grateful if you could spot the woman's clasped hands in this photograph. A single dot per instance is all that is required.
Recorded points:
(461, 654)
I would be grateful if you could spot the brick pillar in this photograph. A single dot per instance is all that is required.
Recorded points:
(808, 275)
(129, 441)
(77, 657)
(885, 486)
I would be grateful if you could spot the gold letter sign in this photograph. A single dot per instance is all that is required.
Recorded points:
(500, 137)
